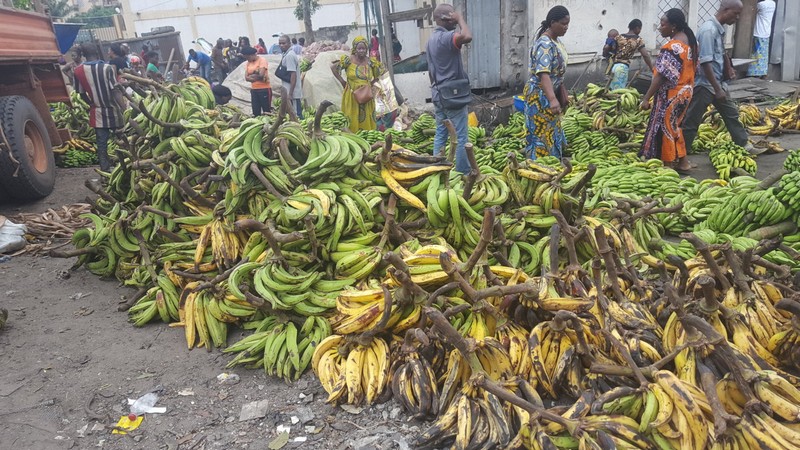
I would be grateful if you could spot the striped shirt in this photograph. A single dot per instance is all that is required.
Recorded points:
(97, 80)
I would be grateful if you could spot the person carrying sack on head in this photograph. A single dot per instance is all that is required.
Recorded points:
(450, 90)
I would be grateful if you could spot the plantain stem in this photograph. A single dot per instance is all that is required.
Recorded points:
(270, 187)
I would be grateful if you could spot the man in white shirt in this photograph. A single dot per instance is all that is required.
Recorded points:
(294, 85)
(761, 37)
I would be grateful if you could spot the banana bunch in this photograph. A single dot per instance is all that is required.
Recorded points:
(226, 243)
(161, 301)
(196, 90)
(75, 144)
(74, 117)
(639, 180)
(773, 391)
(472, 420)
(200, 314)
(514, 128)
(625, 119)
(750, 115)
(729, 217)
(493, 159)
(77, 158)
(477, 136)
(786, 115)
(709, 136)
(408, 168)
(414, 385)
(783, 343)
(698, 200)
(515, 340)
(240, 150)
(576, 122)
(371, 136)
(553, 345)
(331, 156)
(359, 370)
(280, 347)
(769, 128)
(789, 190)
(293, 289)
(767, 208)
(629, 98)
(373, 310)
(792, 161)
(729, 156)
(173, 110)
(336, 121)
(422, 131)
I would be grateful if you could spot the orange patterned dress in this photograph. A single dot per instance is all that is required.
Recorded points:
(664, 137)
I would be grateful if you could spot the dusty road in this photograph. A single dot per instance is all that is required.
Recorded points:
(70, 360)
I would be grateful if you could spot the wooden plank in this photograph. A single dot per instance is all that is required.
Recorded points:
(411, 14)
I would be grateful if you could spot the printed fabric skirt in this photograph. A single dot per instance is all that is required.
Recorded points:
(761, 55)
(544, 133)
(619, 76)
(664, 136)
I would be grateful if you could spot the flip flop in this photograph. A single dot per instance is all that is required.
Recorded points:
(684, 171)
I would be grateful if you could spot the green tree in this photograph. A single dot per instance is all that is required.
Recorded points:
(23, 4)
(304, 10)
(59, 8)
(96, 17)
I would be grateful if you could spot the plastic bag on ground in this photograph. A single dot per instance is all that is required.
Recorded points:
(12, 236)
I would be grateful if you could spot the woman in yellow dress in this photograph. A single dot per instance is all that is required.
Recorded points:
(360, 70)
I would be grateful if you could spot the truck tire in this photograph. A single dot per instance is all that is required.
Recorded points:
(27, 169)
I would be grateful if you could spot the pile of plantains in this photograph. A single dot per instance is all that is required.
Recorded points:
(537, 306)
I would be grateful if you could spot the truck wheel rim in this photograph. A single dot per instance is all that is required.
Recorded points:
(34, 147)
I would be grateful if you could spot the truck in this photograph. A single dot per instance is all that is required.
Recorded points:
(30, 78)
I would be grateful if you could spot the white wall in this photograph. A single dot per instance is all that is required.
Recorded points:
(211, 19)
(590, 21)
(407, 32)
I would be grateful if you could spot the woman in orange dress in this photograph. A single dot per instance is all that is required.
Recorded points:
(671, 91)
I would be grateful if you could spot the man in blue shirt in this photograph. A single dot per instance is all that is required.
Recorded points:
(203, 63)
(444, 64)
(709, 85)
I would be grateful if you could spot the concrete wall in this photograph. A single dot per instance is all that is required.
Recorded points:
(211, 19)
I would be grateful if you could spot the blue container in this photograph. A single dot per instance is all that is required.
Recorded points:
(519, 103)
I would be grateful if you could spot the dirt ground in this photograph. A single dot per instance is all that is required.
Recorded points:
(70, 360)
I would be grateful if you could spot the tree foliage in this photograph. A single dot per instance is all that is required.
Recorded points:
(96, 17)
(313, 6)
(59, 8)
(56, 8)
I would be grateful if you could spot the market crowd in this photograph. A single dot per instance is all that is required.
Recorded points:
(690, 72)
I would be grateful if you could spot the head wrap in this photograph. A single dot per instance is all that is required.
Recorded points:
(358, 40)
(249, 51)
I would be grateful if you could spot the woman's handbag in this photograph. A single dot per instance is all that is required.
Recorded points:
(563, 97)
(363, 94)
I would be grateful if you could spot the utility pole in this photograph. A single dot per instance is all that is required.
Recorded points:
(388, 55)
